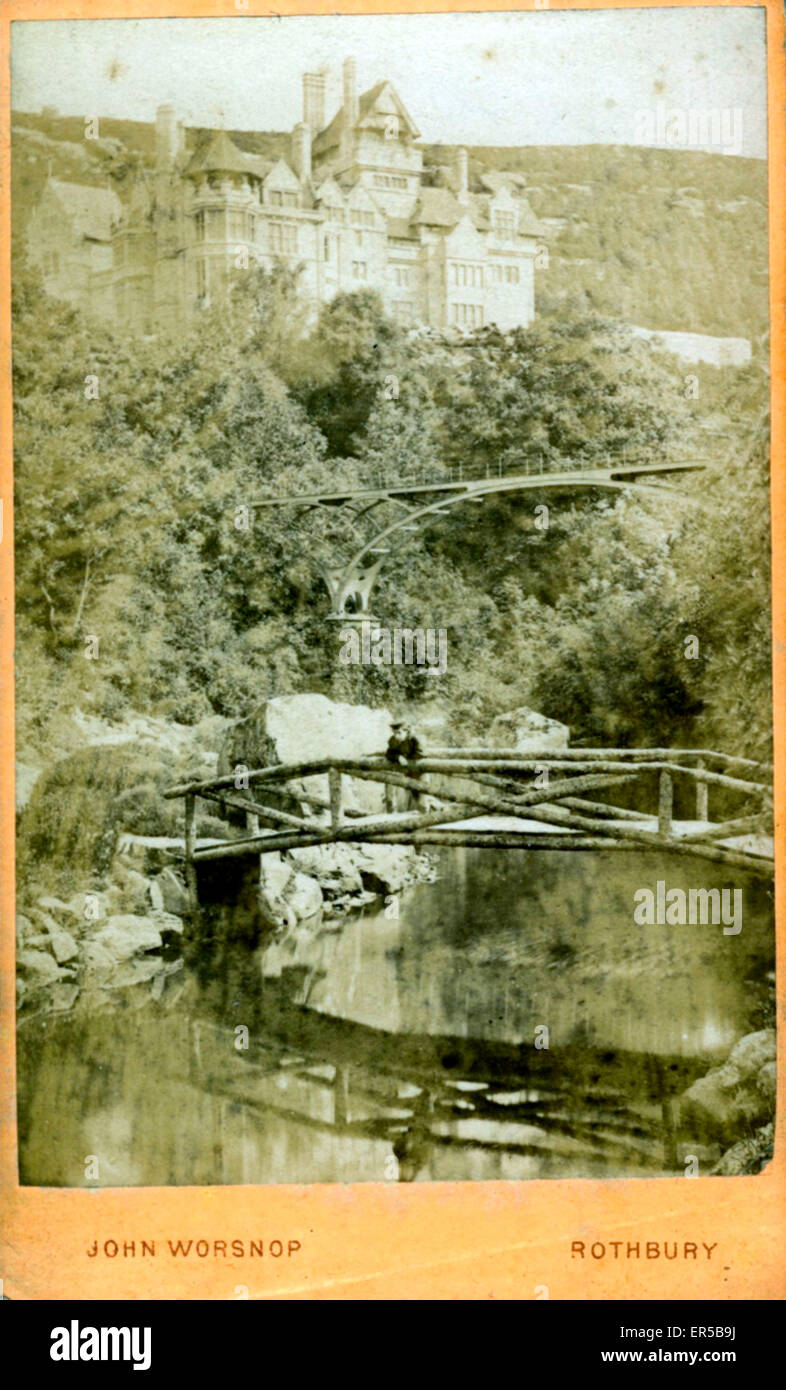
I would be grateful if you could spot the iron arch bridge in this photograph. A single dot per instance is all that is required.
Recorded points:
(350, 583)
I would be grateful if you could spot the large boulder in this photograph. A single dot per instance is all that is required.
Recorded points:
(304, 896)
(126, 934)
(306, 728)
(53, 905)
(26, 930)
(523, 730)
(38, 967)
(301, 728)
(733, 1099)
(59, 944)
(335, 866)
(168, 893)
(287, 897)
(389, 868)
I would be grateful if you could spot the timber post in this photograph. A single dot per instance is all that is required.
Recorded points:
(336, 798)
(341, 1097)
(665, 804)
(702, 794)
(190, 848)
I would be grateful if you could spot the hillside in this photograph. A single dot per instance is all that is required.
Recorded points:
(668, 239)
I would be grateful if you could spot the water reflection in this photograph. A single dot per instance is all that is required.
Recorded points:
(405, 1048)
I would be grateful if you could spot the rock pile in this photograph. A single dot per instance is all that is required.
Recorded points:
(98, 941)
(733, 1104)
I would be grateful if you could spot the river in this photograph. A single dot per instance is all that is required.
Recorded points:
(511, 1022)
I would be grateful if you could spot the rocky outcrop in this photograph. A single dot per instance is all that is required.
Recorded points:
(127, 935)
(304, 728)
(114, 911)
(168, 893)
(38, 967)
(92, 945)
(307, 728)
(748, 1156)
(735, 1099)
(286, 896)
(336, 867)
(523, 730)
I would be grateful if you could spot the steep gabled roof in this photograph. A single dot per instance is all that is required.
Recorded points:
(222, 156)
(438, 207)
(282, 176)
(91, 210)
(528, 222)
(368, 105)
(495, 179)
(327, 189)
(330, 137)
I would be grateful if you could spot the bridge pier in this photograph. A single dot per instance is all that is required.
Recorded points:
(350, 585)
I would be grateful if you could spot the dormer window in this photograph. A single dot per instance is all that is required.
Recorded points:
(505, 224)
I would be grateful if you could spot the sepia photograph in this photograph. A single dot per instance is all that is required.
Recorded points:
(393, 656)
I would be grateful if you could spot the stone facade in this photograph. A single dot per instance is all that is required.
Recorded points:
(69, 239)
(352, 208)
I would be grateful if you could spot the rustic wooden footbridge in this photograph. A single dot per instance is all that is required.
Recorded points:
(492, 798)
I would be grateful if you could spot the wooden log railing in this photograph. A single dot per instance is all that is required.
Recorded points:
(491, 784)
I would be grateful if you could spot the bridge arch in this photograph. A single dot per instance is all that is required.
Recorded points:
(350, 585)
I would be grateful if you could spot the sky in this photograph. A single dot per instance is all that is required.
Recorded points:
(537, 78)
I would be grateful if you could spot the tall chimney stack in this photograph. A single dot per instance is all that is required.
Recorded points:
(461, 175)
(314, 101)
(350, 93)
(167, 137)
(301, 151)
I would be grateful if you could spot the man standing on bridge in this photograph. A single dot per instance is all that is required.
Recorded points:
(403, 750)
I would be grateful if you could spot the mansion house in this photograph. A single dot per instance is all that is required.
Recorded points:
(352, 207)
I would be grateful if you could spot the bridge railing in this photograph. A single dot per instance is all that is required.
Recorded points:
(449, 788)
(532, 463)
